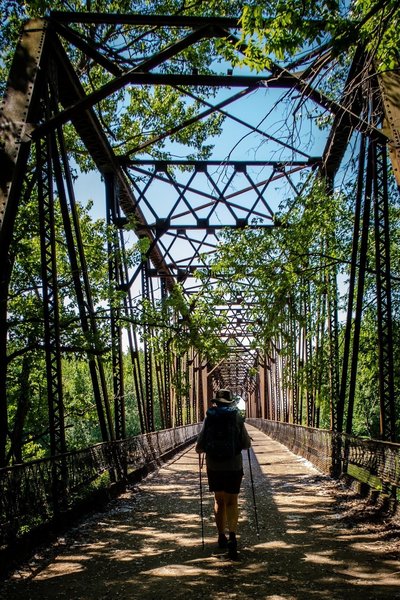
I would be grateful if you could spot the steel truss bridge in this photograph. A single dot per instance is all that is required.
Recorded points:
(179, 210)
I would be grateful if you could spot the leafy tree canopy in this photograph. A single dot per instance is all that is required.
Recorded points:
(293, 32)
(285, 29)
(132, 116)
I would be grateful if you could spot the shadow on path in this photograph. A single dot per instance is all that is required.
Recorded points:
(147, 545)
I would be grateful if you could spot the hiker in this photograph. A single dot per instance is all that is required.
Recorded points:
(222, 438)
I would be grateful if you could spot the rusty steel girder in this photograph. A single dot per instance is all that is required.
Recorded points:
(18, 116)
(389, 83)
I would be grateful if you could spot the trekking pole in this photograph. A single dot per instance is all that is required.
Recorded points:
(201, 503)
(254, 496)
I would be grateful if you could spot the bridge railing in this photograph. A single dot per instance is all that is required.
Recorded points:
(371, 463)
(34, 494)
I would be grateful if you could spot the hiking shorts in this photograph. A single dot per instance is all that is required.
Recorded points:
(224, 481)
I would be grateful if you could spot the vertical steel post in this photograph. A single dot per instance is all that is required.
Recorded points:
(267, 376)
(81, 284)
(166, 366)
(293, 332)
(278, 403)
(360, 286)
(137, 376)
(133, 344)
(114, 275)
(273, 390)
(352, 285)
(384, 300)
(148, 362)
(308, 359)
(51, 319)
(19, 109)
(178, 375)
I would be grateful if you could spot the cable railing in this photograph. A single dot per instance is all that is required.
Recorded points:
(372, 464)
(35, 494)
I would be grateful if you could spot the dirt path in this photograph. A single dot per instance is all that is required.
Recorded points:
(147, 545)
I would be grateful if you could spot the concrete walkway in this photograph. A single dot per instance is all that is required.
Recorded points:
(147, 545)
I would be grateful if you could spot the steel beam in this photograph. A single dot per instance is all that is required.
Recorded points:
(384, 296)
(91, 133)
(18, 116)
(18, 112)
(309, 357)
(239, 165)
(143, 20)
(363, 251)
(148, 358)
(114, 275)
(81, 284)
(342, 127)
(50, 297)
(390, 89)
(87, 101)
(306, 89)
(166, 367)
(352, 287)
(293, 329)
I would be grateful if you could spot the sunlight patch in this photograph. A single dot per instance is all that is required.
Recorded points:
(363, 576)
(61, 568)
(321, 559)
(275, 545)
(175, 571)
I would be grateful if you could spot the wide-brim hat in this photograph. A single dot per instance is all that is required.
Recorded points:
(224, 397)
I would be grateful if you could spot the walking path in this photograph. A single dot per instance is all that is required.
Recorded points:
(147, 545)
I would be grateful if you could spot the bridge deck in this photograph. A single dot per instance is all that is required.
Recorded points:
(147, 544)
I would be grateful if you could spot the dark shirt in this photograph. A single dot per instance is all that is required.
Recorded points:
(230, 464)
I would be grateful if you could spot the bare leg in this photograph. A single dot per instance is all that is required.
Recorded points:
(226, 510)
(220, 511)
(232, 511)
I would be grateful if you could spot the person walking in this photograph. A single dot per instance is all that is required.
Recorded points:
(222, 438)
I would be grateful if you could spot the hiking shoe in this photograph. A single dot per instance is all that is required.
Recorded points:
(222, 541)
(232, 549)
